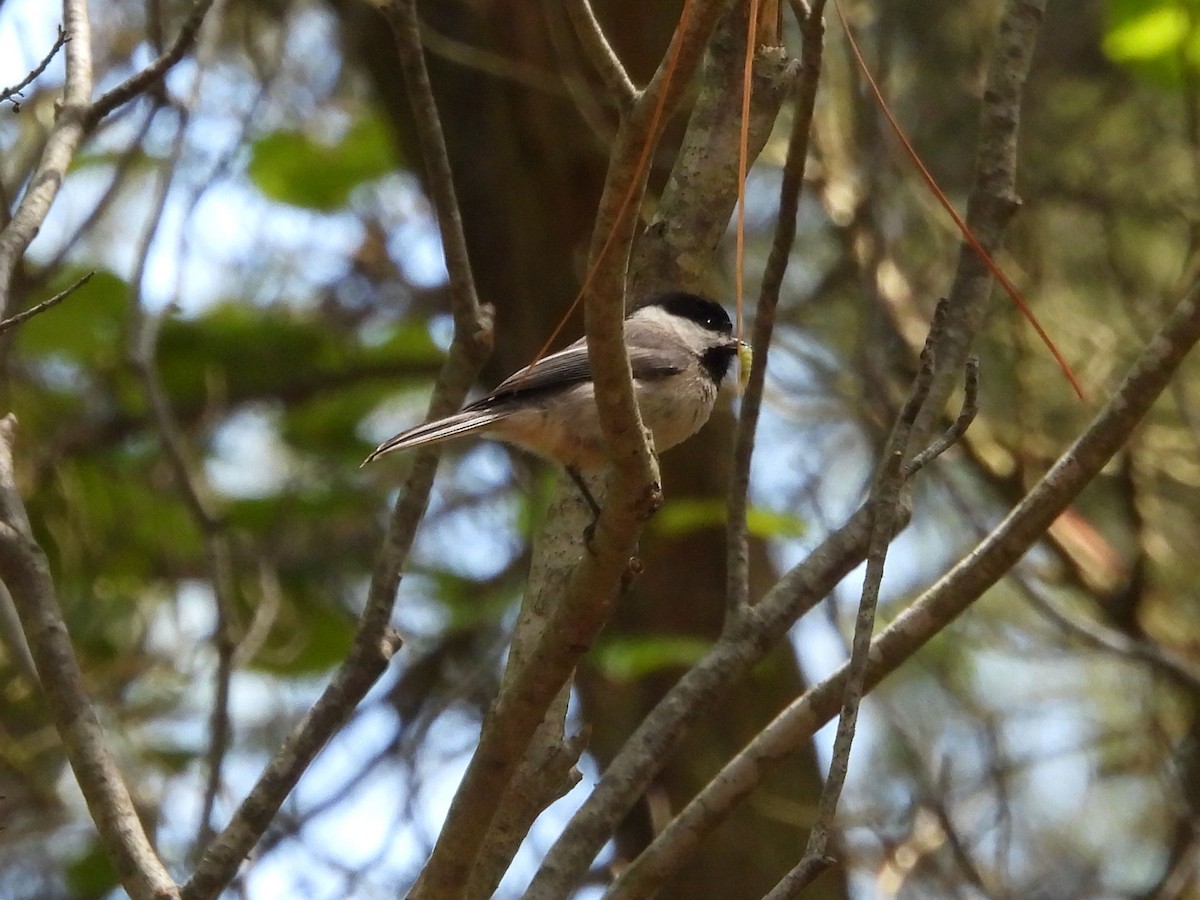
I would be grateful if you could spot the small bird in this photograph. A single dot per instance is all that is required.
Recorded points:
(681, 347)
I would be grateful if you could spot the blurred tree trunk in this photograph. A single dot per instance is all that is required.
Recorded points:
(529, 171)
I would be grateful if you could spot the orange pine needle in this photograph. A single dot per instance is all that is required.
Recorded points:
(743, 153)
(970, 238)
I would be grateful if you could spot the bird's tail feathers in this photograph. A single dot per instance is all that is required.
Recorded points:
(451, 427)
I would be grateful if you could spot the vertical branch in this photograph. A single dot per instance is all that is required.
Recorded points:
(65, 136)
(634, 492)
(812, 26)
(676, 250)
(991, 203)
(884, 502)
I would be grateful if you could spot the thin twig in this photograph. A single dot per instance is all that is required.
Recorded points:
(954, 433)
(808, 870)
(884, 502)
(23, 317)
(406, 28)
(189, 477)
(198, 497)
(375, 641)
(154, 73)
(992, 200)
(737, 591)
(496, 65)
(592, 109)
(221, 165)
(603, 57)
(197, 493)
(11, 93)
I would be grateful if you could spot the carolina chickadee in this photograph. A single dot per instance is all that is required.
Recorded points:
(680, 346)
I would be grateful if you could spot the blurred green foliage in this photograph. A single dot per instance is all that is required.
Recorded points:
(1157, 39)
(91, 876)
(681, 515)
(293, 167)
(630, 658)
(1105, 236)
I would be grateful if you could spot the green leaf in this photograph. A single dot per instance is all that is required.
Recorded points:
(291, 167)
(633, 657)
(1158, 40)
(1155, 31)
(683, 516)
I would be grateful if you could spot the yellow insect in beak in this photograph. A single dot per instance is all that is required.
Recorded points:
(745, 357)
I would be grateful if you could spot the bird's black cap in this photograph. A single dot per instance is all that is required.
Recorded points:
(701, 310)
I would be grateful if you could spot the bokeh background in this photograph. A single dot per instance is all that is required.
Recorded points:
(266, 207)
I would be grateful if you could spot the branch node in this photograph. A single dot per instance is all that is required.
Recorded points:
(953, 434)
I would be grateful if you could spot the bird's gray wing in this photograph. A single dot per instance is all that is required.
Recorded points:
(548, 375)
(569, 367)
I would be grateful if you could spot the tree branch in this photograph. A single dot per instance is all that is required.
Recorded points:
(991, 203)
(884, 501)
(23, 317)
(747, 638)
(633, 492)
(605, 60)
(154, 73)
(25, 571)
(10, 94)
(197, 494)
(23, 565)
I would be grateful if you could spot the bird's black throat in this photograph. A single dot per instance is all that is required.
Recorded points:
(717, 360)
